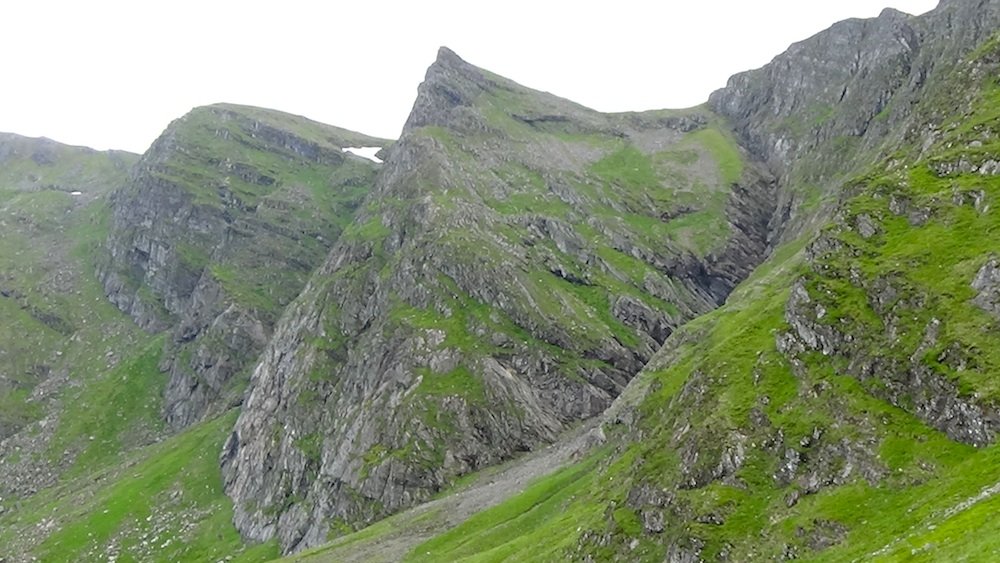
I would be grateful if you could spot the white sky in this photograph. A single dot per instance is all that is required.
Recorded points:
(112, 74)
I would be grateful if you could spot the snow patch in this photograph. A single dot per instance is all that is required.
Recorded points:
(366, 152)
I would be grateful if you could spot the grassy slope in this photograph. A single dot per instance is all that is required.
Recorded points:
(512, 528)
(168, 505)
(928, 474)
(114, 482)
(33, 164)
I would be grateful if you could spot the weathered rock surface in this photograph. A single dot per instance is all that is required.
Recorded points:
(829, 105)
(831, 84)
(987, 284)
(905, 381)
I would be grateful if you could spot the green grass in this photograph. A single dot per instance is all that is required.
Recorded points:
(118, 490)
(459, 382)
(113, 411)
(628, 167)
(934, 262)
(284, 209)
(513, 526)
(62, 168)
(148, 500)
(55, 315)
(112, 472)
(808, 120)
(327, 135)
(731, 353)
(372, 230)
(723, 150)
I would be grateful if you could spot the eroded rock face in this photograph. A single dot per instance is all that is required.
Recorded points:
(904, 380)
(987, 283)
(831, 84)
(217, 230)
(488, 295)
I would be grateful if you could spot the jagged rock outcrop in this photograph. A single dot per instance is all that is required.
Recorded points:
(904, 380)
(832, 84)
(856, 79)
(217, 230)
(987, 286)
(520, 258)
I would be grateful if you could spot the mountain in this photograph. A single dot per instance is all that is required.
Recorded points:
(519, 259)
(217, 229)
(760, 328)
(172, 268)
(48, 219)
(842, 404)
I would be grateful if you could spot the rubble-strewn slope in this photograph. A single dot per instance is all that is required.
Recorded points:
(519, 260)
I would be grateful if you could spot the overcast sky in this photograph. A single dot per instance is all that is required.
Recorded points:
(112, 74)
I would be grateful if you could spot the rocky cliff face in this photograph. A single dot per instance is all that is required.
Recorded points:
(832, 104)
(216, 231)
(831, 85)
(519, 260)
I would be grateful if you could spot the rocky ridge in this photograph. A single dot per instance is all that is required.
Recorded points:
(833, 104)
